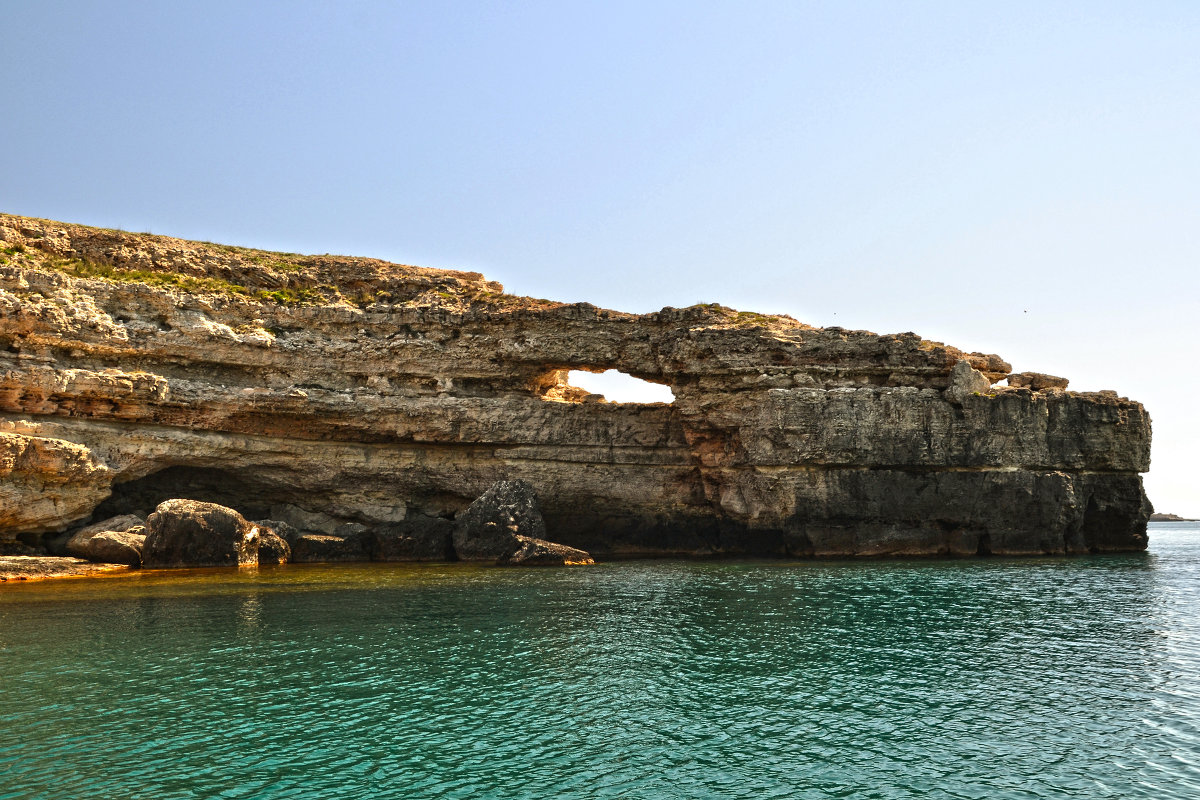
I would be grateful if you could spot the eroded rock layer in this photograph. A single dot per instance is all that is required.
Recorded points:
(341, 391)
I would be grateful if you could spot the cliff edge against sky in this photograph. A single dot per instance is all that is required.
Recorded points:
(330, 390)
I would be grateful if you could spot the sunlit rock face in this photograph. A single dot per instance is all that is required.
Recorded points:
(139, 368)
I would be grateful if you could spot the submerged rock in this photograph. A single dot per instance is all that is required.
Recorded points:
(188, 533)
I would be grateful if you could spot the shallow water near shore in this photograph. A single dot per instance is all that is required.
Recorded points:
(996, 678)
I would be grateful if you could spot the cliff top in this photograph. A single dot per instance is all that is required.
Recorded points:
(283, 278)
(261, 283)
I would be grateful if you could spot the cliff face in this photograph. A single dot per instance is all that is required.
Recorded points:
(325, 390)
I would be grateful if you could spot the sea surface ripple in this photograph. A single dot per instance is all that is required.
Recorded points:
(995, 678)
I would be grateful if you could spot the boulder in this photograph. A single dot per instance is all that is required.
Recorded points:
(272, 548)
(78, 544)
(488, 529)
(505, 526)
(188, 533)
(117, 547)
(965, 381)
(317, 547)
(417, 538)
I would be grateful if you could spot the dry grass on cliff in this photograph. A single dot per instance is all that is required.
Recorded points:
(80, 268)
(359, 293)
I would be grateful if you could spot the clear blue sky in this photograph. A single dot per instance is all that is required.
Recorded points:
(1019, 178)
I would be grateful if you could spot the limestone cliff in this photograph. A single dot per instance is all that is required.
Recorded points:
(329, 390)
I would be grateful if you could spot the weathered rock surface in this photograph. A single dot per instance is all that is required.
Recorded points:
(1037, 381)
(505, 526)
(339, 390)
(79, 543)
(46, 484)
(272, 547)
(34, 568)
(540, 553)
(117, 547)
(280, 528)
(186, 533)
(966, 381)
(489, 528)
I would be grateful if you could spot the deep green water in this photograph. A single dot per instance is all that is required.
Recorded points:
(983, 678)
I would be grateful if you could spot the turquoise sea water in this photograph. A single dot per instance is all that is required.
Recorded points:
(989, 678)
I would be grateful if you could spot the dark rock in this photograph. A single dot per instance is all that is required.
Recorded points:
(350, 530)
(284, 530)
(317, 547)
(15, 547)
(488, 529)
(505, 526)
(118, 547)
(540, 553)
(417, 538)
(272, 548)
(56, 545)
(186, 533)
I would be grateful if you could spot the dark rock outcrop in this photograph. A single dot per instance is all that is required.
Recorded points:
(489, 528)
(272, 548)
(505, 526)
(326, 391)
(187, 533)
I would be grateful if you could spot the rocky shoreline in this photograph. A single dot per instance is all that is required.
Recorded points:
(504, 527)
(352, 398)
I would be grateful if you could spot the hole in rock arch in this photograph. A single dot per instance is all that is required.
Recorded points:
(618, 387)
